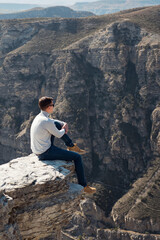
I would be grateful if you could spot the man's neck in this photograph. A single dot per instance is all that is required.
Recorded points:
(45, 113)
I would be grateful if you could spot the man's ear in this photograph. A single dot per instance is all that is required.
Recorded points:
(46, 109)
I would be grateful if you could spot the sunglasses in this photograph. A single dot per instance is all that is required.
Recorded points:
(52, 105)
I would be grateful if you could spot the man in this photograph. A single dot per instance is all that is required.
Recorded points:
(43, 132)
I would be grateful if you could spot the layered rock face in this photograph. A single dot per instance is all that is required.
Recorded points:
(155, 133)
(36, 198)
(138, 210)
(104, 76)
(85, 222)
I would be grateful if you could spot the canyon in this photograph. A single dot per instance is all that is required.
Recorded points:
(104, 75)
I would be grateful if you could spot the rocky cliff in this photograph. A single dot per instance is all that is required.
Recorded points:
(36, 198)
(103, 73)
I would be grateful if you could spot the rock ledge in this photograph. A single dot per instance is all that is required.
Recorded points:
(36, 198)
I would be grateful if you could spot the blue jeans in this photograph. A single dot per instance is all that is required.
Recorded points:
(55, 153)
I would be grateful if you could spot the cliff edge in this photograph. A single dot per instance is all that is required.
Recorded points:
(36, 198)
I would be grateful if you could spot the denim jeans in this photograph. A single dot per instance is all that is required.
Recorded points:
(56, 153)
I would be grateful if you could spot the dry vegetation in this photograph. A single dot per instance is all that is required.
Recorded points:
(49, 37)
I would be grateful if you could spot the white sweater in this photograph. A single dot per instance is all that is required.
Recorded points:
(41, 130)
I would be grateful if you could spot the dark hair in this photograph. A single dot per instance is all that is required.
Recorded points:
(44, 102)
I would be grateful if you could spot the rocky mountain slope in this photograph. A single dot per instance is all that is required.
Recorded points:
(64, 12)
(103, 73)
(110, 6)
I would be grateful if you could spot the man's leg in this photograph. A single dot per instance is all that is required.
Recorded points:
(55, 153)
(70, 145)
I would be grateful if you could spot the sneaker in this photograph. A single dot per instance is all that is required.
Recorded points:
(75, 148)
(89, 190)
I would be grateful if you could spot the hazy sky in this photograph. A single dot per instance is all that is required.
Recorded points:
(46, 2)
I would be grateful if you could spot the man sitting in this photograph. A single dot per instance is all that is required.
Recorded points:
(44, 130)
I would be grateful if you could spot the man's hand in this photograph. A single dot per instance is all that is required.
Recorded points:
(65, 126)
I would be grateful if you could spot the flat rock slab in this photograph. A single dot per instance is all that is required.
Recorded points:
(29, 170)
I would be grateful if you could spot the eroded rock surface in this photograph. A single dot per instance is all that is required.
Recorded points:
(36, 198)
(85, 221)
(138, 210)
(155, 133)
(89, 222)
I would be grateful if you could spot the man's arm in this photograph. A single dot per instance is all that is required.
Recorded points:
(51, 127)
(65, 126)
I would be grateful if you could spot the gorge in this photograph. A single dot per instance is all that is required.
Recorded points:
(104, 75)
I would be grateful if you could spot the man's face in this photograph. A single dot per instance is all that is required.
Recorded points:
(49, 109)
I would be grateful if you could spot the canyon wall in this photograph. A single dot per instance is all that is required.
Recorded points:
(103, 73)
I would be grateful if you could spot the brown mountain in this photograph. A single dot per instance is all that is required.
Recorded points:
(49, 12)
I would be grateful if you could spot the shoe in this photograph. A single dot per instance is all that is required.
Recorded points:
(89, 190)
(75, 148)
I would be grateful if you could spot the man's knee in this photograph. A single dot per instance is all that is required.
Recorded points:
(58, 125)
(78, 156)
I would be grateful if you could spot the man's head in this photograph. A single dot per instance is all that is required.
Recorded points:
(46, 104)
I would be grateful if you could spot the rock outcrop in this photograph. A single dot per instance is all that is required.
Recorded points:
(85, 222)
(36, 198)
(155, 132)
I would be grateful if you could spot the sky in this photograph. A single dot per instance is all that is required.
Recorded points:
(46, 2)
